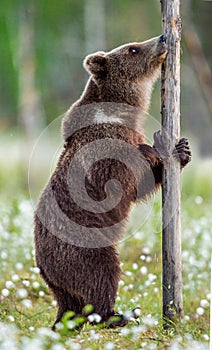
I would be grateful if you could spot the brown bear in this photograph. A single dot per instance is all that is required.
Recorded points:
(105, 166)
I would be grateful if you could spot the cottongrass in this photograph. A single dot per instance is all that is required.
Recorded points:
(19, 279)
(187, 343)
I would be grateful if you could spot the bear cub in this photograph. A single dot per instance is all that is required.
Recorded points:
(104, 167)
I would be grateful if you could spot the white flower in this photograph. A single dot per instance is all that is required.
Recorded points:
(135, 266)
(21, 293)
(146, 250)
(151, 277)
(148, 259)
(15, 278)
(11, 318)
(147, 283)
(26, 283)
(36, 270)
(7, 336)
(36, 285)
(186, 318)
(47, 333)
(9, 285)
(19, 266)
(109, 346)
(121, 283)
(208, 296)
(4, 255)
(206, 337)
(31, 344)
(143, 270)
(94, 318)
(200, 311)
(204, 303)
(124, 331)
(128, 273)
(91, 318)
(143, 257)
(27, 303)
(41, 293)
(74, 346)
(137, 312)
(71, 324)
(58, 347)
(198, 200)
(5, 292)
(149, 320)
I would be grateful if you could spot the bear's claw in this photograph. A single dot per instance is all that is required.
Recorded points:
(182, 151)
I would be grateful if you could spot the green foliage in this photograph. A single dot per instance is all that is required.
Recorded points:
(87, 309)
(59, 46)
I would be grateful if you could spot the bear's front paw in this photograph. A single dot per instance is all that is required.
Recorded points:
(182, 151)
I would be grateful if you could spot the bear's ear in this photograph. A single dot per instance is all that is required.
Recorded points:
(95, 63)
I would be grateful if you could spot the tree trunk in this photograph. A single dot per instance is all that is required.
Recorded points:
(29, 102)
(94, 25)
(171, 225)
(198, 57)
(30, 115)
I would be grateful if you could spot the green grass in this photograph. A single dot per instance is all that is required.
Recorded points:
(27, 310)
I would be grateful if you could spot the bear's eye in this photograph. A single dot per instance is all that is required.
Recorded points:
(134, 50)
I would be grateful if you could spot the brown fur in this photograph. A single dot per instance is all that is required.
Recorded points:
(82, 273)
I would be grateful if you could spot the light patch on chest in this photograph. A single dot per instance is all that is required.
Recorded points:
(100, 117)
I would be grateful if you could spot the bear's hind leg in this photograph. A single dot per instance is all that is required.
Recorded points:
(103, 296)
(66, 302)
(104, 306)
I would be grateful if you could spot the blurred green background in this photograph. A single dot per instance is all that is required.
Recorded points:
(42, 46)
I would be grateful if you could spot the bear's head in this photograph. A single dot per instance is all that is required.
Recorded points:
(131, 61)
(123, 77)
(127, 69)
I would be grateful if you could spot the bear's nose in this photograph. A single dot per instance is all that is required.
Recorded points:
(162, 39)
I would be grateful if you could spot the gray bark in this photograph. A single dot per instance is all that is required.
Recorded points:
(171, 226)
